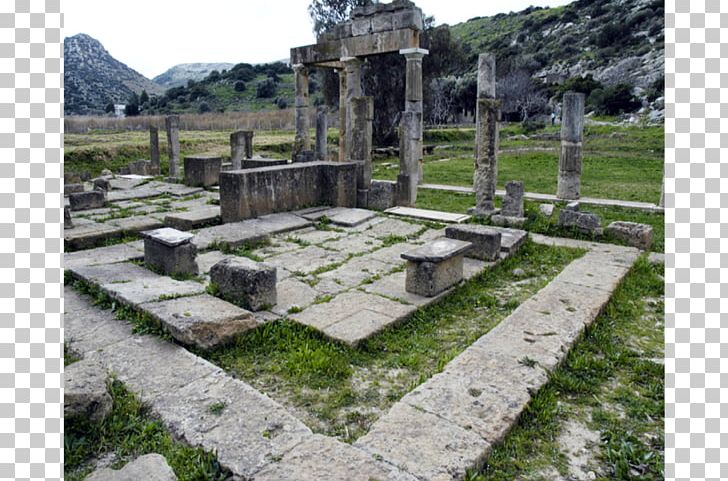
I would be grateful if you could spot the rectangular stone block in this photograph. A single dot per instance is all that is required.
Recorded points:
(202, 171)
(258, 163)
(486, 242)
(435, 267)
(169, 251)
(69, 189)
(381, 195)
(94, 199)
(245, 282)
(245, 194)
(194, 218)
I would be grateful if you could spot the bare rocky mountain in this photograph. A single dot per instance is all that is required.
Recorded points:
(180, 74)
(93, 78)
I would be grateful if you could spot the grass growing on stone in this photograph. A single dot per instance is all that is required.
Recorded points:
(127, 433)
(537, 222)
(609, 390)
(340, 391)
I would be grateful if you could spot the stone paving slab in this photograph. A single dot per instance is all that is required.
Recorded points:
(314, 236)
(203, 321)
(352, 217)
(306, 260)
(88, 235)
(133, 194)
(193, 219)
(206, 260)
(424, 214)
(484, 389)
(293, 293)
(325, 458)
(511, 239)
(356, 271)
(355, 244)
(252, 230)
(316, 214)
(423, 444)
(104, 255)
(391, 227)
(140, 291)
(137, 223)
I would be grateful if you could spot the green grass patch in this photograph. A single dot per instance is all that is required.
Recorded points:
(128, 432)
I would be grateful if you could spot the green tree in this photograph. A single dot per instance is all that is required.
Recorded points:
(240, 86)
(143, 98)
(109, 109)
(132, 105)
(614, 100)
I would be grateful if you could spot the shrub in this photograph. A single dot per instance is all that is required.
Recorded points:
(240, 86)
(266, 89)
(532, 125)
(614, 100)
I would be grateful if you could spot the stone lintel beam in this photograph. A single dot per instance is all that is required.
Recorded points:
(362, 46)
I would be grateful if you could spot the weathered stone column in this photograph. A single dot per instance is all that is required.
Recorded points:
(241, 147)
(352, 70)
(411, 129)
(572, 134)
(362, 114)
(301, 142)
(662, 193)
(342, 115)
(154, 150)
(322, 129)
(487, 114)
(172, 125)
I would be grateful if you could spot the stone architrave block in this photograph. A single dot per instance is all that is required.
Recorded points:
(93, 199)
(150, 467)
(634, 234)
(245, 282)
(435, 267)
(84, 391)
(170, 252)
(584, 222)
(486, 242)
(202, 171)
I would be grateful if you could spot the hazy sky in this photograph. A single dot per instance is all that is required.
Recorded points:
(151, 36)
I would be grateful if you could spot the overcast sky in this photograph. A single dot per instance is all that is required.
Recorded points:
(151, 36)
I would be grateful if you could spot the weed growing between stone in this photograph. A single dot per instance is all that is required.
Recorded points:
(127, 433)
(340, 391)
(609, 383)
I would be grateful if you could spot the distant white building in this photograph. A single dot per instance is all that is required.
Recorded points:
(120, 110)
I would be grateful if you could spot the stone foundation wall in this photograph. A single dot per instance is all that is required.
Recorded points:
(250, 193)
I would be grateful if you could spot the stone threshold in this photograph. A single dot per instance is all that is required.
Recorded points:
(646, 206)
(438, 431)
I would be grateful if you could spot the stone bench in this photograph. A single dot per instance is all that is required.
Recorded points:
(435, 267)
(170, 252)
(202, 171)
(486, 242)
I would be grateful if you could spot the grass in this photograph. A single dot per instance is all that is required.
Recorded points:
(128, 432)
(339, 391)
(537, 222)
(610, 383)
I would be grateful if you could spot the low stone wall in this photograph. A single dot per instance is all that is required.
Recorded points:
(250, 193)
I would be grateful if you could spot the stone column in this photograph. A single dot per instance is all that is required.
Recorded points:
(572, 133)
(352, 70)
(362, 115)
(322, 129)
(487, 114)
(154, 150)
(241, 147)
(411, 129)
(172, 125)
(301, 142)
(662, 193)
(342, 115)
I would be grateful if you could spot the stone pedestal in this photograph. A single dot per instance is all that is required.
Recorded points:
(172, 125)
(301, 141)
(170, 252)
(321, 133)
(486, 138)
(245, 282)
(435, 267)
(241, 147)
(155, 167)
(572, 132)
(202, 171)
(513, 200)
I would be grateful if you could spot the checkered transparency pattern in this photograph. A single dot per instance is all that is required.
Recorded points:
(30, 281)
(696, 42)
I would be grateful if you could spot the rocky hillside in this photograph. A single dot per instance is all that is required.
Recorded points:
(180, 74)
(93, 78)
(616, 41)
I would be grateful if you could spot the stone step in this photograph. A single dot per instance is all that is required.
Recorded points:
(193, 219)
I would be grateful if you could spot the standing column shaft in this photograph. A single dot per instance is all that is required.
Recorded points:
(352, 69)
(301, 142)
(487, 114)
(154, 150)
(362, 114)
(240, 147)
(572, 134)
(172, 125)
(342, 115)
(411, 129)
(321, 133)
